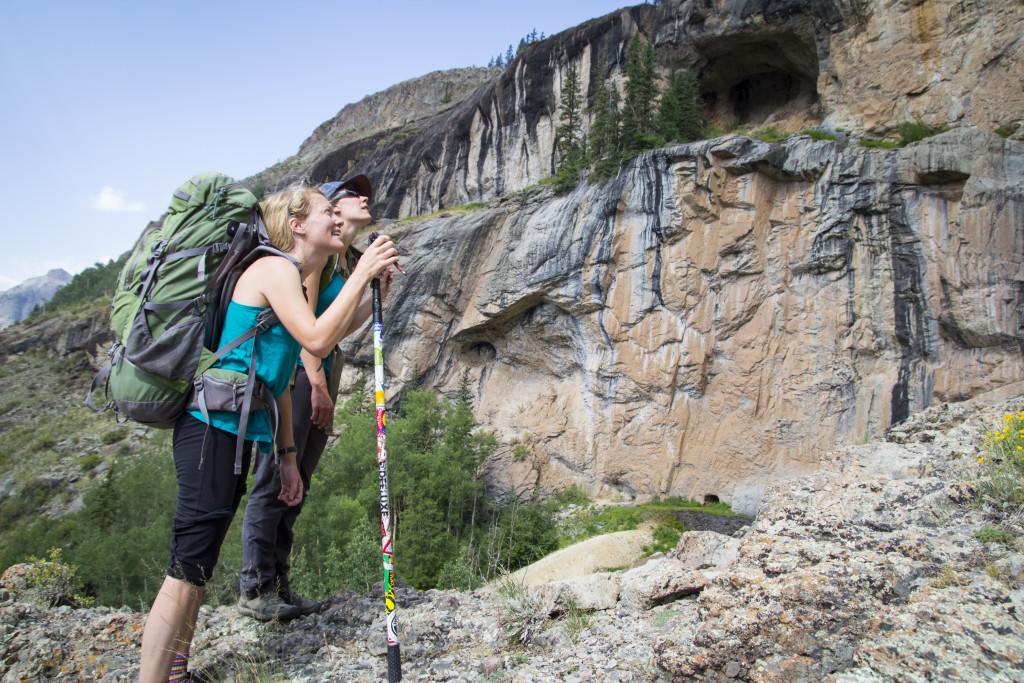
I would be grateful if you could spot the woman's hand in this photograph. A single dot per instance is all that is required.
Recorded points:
(380, 255)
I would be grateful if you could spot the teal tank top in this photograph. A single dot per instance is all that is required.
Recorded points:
(323, 301)
(277, 352)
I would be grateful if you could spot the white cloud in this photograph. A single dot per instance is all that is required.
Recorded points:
(110, 199)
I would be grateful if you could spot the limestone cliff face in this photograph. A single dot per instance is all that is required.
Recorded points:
(960, 63)
(724, 311)
(721, 313)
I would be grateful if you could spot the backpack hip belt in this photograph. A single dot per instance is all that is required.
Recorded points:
(221, 394)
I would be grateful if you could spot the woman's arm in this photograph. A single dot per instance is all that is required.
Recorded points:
(291, 484)
(273, 281)
(322, 407)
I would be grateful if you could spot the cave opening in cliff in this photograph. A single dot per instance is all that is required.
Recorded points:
(755, 81)
(479, 353)
(710, 499)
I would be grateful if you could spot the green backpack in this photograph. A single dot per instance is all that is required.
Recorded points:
(169, 307)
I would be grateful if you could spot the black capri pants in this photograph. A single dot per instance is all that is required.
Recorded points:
(209, 492)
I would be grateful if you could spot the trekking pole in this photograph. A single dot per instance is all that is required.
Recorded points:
(390, 616)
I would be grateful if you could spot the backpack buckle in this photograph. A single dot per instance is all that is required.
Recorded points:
(157, 252)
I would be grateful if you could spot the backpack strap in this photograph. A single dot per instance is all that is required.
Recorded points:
(217, 248)
(265, 320)
(101, 379)
(187, 196)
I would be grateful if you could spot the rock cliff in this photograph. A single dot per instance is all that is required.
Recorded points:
(723, 312)
(388, 110)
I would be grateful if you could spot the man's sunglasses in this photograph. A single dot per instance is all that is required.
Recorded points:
(341, 194)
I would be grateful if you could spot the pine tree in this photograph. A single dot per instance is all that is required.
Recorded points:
(569, 141)
(670, 114)
(569, 136)
(510, 54)
(103, 502)
(604, 132)
(681, 111)
(639, 130)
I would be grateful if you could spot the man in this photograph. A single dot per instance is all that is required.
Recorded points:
(267, 528)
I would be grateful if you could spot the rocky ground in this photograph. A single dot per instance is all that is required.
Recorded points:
(868, 570)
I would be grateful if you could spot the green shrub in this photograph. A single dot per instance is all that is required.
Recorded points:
(115, 435)
(665, 538)
(90, 461)
(122, 533)
(570, 495)
(565, 179)
(519, 535)
(618, 518)
(819, 134)
(53, 583)
(1002, 462)
(769, 134)
(522, 612)
(1003, 131)
(714, 130)
(459, 573)
(989, 535)
(914, 131)
(879, 144)
(439, 508)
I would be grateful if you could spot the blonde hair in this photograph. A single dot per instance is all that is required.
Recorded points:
(292, 202)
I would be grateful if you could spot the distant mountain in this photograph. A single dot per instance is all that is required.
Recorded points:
(18, 301)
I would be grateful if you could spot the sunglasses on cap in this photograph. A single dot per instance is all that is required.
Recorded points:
(341, 194)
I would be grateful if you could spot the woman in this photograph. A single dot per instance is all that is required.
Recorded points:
(302, 223)
(267, 529)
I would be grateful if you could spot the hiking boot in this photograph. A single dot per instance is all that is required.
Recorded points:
(305, 605)
(267, 608)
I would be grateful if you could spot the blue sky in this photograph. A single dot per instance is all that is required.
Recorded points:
(109, 104)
